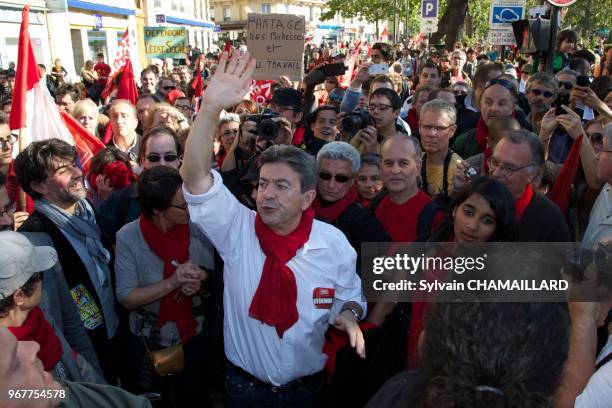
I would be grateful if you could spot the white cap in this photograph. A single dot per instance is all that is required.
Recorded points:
(19, 260)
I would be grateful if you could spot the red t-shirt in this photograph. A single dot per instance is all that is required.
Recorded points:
(103, 70)
(400, 220)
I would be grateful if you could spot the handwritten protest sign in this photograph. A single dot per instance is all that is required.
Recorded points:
(165, 42)
(277, 42)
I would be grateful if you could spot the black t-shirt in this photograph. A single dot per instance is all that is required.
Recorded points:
(401, 391)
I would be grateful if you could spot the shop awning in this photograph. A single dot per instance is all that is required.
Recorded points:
(101, 7)
(194, 23)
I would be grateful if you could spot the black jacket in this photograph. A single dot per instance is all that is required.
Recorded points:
(542, 222)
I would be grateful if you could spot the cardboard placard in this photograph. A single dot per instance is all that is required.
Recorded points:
(277, 43)
(165, 42)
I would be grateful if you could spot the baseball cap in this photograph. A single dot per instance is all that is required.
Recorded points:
(288, 97)
(19, 260)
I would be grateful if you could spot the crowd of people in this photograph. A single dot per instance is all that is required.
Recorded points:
(214, 244)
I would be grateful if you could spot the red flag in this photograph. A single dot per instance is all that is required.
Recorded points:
(196, 84)
(561, 189)
(127, 86)
(123, 55)
(384, 36)
(87, 145)
(27, 74)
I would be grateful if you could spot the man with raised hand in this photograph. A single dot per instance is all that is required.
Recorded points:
(287, 276)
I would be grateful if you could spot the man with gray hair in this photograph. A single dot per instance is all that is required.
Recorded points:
(337, 201)
(287, 276)
(541, 91)
(516, 162)
(437, 124)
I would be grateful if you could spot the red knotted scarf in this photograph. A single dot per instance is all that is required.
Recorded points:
(561, 189)
(482, 137)
(172, 246)
(275, 299)
(37, 328)
(521, 204)
(333, 211)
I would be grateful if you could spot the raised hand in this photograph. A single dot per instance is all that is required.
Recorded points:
(231, 81)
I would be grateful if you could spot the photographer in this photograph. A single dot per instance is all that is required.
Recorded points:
(384, 107)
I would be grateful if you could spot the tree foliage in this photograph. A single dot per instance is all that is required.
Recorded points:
(463, 19)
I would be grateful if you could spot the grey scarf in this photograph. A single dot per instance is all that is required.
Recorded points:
(82, 226)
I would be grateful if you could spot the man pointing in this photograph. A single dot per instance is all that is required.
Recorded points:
(287, 276)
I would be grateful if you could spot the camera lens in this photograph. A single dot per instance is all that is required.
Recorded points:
(267, 129)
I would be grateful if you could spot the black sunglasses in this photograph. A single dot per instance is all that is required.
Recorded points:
(154, 158)
(596, 137)
(566, 84)
(538, 92)
(169, 88)
(338, 177)
(503, 82)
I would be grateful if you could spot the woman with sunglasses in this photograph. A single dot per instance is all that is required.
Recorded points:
(482, 212)
(161, 266)
(498, 99)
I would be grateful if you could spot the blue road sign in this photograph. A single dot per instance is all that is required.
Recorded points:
(429, 9)
(506, 14)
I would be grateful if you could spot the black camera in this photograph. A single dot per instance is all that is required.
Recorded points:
(267, 129)
(356, 120)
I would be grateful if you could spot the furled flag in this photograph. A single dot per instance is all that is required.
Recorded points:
(34, 111)
(196, 84)
(384, 36)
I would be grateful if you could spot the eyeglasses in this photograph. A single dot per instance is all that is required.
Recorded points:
(10, 140)
(340, 178)
(381, 107)
(505, 169)
(566, 84)
(9, 210)
(180, 207)
(154, 158)
(434, 129)
(538, 92)
(502, 82)
(169, 88)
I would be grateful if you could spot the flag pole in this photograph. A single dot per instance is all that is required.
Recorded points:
(22, 146)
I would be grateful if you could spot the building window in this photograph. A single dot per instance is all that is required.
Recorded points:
(311, 14)
(157, 4)
(265, 8)
(227, 13)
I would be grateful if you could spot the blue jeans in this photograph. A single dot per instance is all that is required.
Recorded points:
(240, 393)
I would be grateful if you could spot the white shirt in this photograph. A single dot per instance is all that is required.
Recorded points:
(598, 391)
(327, 260)
(600, 219)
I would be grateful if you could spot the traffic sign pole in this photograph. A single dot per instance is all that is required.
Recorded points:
(552, 38)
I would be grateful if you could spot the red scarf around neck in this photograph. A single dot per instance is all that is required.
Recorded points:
(561, 189)
(413, 120)
(521, 204)
(333, 211)
(274, 302)
(169, 247)
(482, 137)
(37, 328)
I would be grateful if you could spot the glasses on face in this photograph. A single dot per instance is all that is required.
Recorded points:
(180, 207)
(9, 210)
(154, 158)
(9, 140)
(380, 107)
(169, 87)
(434, 129)
(504, 168)
(538, 92)
(566, 84)
(596, 137)
(340, 178)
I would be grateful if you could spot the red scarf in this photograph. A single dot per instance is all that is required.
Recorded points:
(332, 212)
(275, 299)
(413, 120)
(521, 204)
(37, 328)
(482, 137)
(400, 220)
(298, 136)
(172, 246)
(561, 189)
